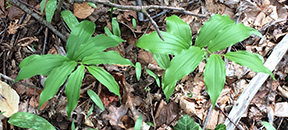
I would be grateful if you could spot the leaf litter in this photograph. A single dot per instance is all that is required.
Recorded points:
(262, 15)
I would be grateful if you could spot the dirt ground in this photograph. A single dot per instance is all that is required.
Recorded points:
(23, 35)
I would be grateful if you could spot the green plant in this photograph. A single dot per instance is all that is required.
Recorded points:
(30, 121)
(83, 52)
(268, 126)
(138, 123)
(216, 34)
(50, 8)
(187, 123)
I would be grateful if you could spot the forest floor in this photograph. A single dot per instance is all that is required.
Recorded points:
(22, 35)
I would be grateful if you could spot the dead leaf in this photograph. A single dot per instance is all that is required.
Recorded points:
(281, 109)
(10, 100)
(212, 120)
(82, 10)
(283, 91)
(167, 113)
(115, 114)
(13, 26)
(26, 41)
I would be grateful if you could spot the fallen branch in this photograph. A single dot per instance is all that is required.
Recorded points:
(39, 18)
(249, 92)
(143, 9)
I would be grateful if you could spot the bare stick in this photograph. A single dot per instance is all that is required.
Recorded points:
(249, 92)
(154, 24)
(13, 81)
(39, 18)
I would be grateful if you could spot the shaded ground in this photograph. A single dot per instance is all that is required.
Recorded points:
(22, 35)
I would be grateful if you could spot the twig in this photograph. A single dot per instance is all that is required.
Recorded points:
(227, 116)
(154, 24)
(13, 81)
(207, 117)
(157, 15)
(39, 18)
(45, 40)
(140, 14)
(58, 10)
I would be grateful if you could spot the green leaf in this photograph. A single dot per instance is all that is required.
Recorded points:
(50, 8)
(268, 126)
(109, 57)
(187, 123)
(230, 36)
(92, 4)
(152, 43)
(150, 123)
(134, 23)
(2, 112)
(42, 5)
(138, 70)
(138, 123)
(177, 27)
(211, 28)
(39, 65)
(95, 44)
(162, 60)
(107, 31)
(154, 76)
(105, 78)
(96, 99)
(69, 19)
(250, 60)
(214, 76)
(168, 90)
(72, 89)
(220, 127)
(90, 110)
(115, 27)
(79, 35)
(73, 125)
(183, 64)
(55, 79)
(30, 121)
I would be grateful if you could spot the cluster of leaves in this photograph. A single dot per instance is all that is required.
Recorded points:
(83, 52)
(216, 34)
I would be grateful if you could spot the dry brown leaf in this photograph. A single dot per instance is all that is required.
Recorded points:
(26, 41)
(10, 100)
(82, 10)
(115, 114)
(13, 26)
(212, 120)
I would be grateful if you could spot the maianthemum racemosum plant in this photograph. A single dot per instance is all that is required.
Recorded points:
(83, 52)
(216, 34)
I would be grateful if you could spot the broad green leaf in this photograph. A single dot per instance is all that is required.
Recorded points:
(55, 79)
(138, 123)
(42, 5)
(105, 78)
(162, 60)
(107, 31)
(211, 28)
(230, 36)
(168, 90)
(183, 64)
(50, 9)
(95, 44)
(96, 99)
(214, 76)
(177, 27)
(39, 65)
(138, 70)
(268, 126)
(72, 89)
(109, 57)
(30, 121)
(220, 127)
(115, 27)
(69, 19)
(250, 60)
(154, 76)
(152, 43)
(79, 35)
(187, 123)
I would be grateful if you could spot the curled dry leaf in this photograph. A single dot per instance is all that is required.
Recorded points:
(13, 26)
(82, 10)
(10, 100)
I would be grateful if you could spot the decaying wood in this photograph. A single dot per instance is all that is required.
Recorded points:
(249, 92)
